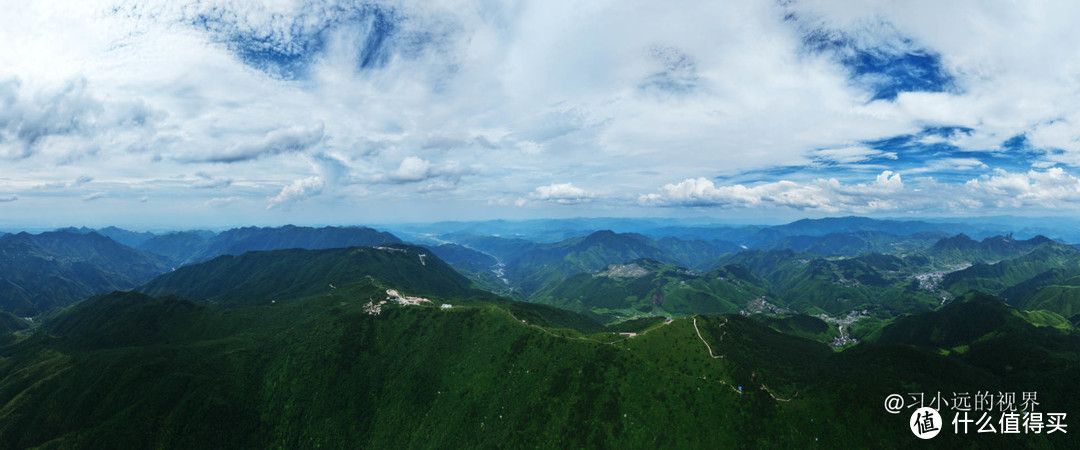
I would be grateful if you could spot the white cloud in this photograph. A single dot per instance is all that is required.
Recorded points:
(1052, 188)
(93, 196)
(563, 193)
(61, 119)
(822, 194)
(297, 191)
(8, 199)
(412, 169)
(1060, 135)
(1048, 190)
(264, 94)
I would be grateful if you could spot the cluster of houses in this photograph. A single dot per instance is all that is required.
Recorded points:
(393, 295)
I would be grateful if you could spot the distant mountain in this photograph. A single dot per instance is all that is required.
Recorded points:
(831, 225)
(870, 281)
(262, 276)
(855, 243)
(39, 272)
(129, 238)
(454, 255)
(179, 247)
(808, 283)
(997, 277)
(544, 265)
(695, 253)
(962, 249)
(652, 288)
(775, 266)
(483, 269)
(500, 247)
(191, 247)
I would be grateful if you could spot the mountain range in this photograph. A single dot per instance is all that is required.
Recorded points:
(309, 337)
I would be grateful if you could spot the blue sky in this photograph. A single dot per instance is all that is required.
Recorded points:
(174, 114)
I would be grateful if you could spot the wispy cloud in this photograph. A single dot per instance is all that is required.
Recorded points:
(93, 196)
(447, 105)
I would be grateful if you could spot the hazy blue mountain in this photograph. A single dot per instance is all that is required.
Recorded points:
(546, 264)
(500, 247)
(179, 247)
(963, 249)
(695, 253)
(191, 247)
(129, 238)
(454, 255)
(39, 272)
(855, 243)
(831, 225)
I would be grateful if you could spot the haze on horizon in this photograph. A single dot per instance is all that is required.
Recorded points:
(219, 113)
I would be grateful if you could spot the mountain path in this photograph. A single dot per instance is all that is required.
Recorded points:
(698, 330)
(714, 356)
(706, 343)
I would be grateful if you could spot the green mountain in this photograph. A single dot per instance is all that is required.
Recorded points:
(871, 281)
(128, 370)
(1055, 290)
(547, 264)
(483, 269)
(9, 324)
(259, 277)
(984, 332)
(962, 249)
(997, 277)
(652, 288)
(47, 270)
(802, 282)
(800, 325)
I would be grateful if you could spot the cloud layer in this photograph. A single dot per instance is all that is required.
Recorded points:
(347, 111)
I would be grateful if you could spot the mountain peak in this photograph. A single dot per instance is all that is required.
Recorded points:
(959, 241)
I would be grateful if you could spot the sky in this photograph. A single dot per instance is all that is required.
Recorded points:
(181, 114)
